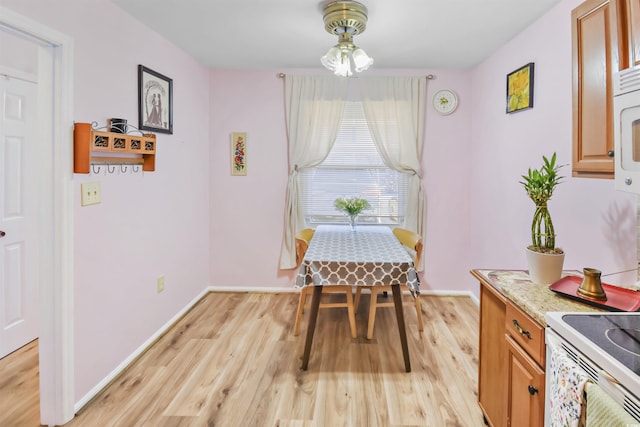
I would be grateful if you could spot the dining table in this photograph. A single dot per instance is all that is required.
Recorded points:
(367, 255)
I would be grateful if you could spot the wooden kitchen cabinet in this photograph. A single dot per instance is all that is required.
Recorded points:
(492, 354)
(512, 349)
(511, 362)
(526, 353)
(525, 388)
(596, 56)
(628, 22)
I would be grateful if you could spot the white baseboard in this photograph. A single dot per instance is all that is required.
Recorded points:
(266, 290)
(133, 356)
(278, 290)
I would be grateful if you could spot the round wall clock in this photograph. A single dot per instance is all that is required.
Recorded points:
(445, 101)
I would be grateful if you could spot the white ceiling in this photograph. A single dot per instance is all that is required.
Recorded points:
(275, 34)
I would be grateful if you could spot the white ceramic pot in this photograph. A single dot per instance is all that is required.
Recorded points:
(544, 268)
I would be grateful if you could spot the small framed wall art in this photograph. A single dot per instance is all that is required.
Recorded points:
(155, 101)
(239, 153)
(520, 89)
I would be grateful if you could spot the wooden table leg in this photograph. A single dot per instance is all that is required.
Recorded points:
(313, 315)
(397, 301)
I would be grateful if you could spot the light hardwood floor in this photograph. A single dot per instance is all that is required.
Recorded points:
(233, 361)
(19, 388)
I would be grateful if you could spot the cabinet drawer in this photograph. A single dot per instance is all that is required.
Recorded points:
(526, 332)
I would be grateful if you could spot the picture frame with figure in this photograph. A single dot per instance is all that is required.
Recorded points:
(155, 101)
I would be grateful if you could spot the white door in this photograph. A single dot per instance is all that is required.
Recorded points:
(18, 255)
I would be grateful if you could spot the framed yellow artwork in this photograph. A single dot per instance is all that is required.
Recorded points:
(520, 89)
(239, 153)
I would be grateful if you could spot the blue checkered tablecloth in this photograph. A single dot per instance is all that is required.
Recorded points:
(368, 256)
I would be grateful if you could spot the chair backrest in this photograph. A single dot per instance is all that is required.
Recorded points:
(411, 240)
(303, 237)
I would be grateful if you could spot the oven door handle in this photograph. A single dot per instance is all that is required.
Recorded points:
(609, 377)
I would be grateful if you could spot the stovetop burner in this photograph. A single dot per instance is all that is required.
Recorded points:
(626, 339)
(618, 335)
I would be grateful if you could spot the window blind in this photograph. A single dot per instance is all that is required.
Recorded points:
(353, 168)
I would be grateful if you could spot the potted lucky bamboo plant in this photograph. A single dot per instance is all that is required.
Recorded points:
(544, 258)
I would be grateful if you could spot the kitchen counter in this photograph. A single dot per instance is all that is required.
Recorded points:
(533, 298)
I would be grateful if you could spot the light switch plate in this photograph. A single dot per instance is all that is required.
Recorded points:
(91, 194)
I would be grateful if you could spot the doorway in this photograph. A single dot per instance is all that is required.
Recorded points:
(19, 306)
(54, 217)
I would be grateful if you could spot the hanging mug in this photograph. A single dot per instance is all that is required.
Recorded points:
(118, 125)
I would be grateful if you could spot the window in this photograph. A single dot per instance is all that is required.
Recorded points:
(353, 168)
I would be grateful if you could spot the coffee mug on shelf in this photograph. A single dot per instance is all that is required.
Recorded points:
(118, 125)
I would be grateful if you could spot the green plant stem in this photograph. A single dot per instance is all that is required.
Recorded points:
(542, 221)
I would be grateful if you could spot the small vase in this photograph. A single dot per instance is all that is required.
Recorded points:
(352, 221)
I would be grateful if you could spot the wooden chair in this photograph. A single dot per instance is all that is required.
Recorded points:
(412, 241)
(303, 238)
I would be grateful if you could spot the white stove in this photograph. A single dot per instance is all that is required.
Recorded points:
(606, 346)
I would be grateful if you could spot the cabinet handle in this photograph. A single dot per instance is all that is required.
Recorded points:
(532, 390)
(610, 153)
(2, 234)
(520, 330)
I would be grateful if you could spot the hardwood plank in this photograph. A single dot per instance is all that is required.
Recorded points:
(19, 387)
(233, 361)
(336, 398)
(447, 347)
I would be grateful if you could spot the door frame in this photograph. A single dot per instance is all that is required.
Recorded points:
(55, 218)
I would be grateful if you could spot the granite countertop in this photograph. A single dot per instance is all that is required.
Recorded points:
(533, 298)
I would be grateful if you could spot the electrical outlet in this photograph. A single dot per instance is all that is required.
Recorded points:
(160, 283)
(91, 193)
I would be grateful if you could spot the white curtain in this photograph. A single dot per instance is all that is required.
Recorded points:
(313, 108)
(395, 111)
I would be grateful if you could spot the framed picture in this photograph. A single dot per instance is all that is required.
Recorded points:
(520, 89)
(238, 153)
(155, 101)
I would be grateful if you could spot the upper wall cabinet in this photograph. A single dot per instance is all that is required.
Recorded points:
(596, 56)
(628, 14)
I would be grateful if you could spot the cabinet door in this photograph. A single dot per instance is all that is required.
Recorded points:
(595, 57)
(492, 349)
(525, 388)
(628, 14)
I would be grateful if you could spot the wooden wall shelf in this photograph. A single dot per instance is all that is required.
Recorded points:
(91, 146)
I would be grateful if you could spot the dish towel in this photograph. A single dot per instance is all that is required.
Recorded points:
(602, 410)
(565, 397)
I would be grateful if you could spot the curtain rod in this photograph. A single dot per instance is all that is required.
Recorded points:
(429, 76)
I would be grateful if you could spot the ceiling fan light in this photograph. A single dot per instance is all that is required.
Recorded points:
(331, 58)
(346, 19)
(343, 67)
(361, 60)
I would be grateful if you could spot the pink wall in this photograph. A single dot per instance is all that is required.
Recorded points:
(146, 225)
(247, 212)
(595, 224)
